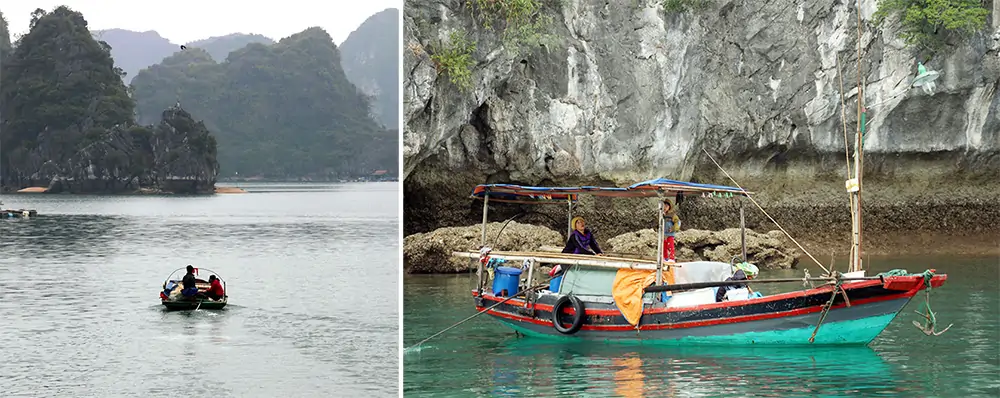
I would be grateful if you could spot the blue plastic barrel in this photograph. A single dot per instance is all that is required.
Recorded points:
(554, 284)
(506, 278)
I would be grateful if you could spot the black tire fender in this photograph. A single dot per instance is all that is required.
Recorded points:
(578, 316)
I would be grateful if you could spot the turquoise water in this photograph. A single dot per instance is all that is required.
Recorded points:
(485, 358)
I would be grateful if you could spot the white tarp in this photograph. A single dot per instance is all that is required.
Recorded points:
(702, 271)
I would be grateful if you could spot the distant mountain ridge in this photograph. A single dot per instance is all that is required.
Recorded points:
(219, 47)
(284, 110)
(370, 58)
(135, 51)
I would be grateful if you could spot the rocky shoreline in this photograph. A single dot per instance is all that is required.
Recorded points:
(431, 253)
(904, 213)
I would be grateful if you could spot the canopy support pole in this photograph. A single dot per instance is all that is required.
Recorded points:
(480, 269)
(569, 216)
(659, 246)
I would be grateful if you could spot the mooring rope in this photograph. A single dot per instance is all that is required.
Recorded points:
(765, 212)
(536, 287)
(829, 304)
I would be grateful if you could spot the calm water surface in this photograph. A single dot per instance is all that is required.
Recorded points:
(484, 358)
(312, 274)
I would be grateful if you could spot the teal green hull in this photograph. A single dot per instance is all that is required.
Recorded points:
(849, 332)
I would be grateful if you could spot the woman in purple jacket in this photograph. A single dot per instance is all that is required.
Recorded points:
(581, 240)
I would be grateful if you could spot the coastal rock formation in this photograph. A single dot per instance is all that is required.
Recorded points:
(69, 120)
(767, 251)
(612, 95)
(430, 253)
(176, 156)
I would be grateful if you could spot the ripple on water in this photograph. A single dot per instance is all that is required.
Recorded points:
(312, 295)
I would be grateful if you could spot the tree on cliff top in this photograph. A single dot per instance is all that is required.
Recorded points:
(926, 24)
(58, 76)
(279, 110)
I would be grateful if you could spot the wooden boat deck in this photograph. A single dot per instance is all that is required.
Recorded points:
(570, 259)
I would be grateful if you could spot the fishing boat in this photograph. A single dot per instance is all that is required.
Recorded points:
(618, 299)
(171, 297)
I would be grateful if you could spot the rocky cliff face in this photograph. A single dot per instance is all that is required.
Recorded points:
(631, 92)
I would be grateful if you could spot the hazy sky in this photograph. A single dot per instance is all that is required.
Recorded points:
(182, 21)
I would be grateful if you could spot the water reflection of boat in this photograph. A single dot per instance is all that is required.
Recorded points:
(709, 371)
(172, 299)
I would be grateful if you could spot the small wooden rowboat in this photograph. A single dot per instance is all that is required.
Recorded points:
(16, 213)
(172, 299)
(19, 213)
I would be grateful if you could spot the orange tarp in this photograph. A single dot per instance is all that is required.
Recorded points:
(628, 290)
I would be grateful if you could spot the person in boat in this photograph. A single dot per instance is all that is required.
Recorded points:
(671, 225)
(215, 290)
(189, 288)
(739, 275)
(581, 240)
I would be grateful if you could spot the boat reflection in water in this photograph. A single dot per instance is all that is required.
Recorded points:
(533, 366)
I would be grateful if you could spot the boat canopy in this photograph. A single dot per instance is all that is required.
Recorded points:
(540, 195)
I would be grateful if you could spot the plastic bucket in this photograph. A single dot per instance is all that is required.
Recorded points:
(505, 281)
(554, 284)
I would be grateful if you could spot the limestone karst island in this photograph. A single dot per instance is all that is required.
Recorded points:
(116, 111)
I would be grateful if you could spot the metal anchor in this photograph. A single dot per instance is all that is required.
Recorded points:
(931, 320)
(806, 281)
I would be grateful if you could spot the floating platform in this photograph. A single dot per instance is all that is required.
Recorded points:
(22, 213)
